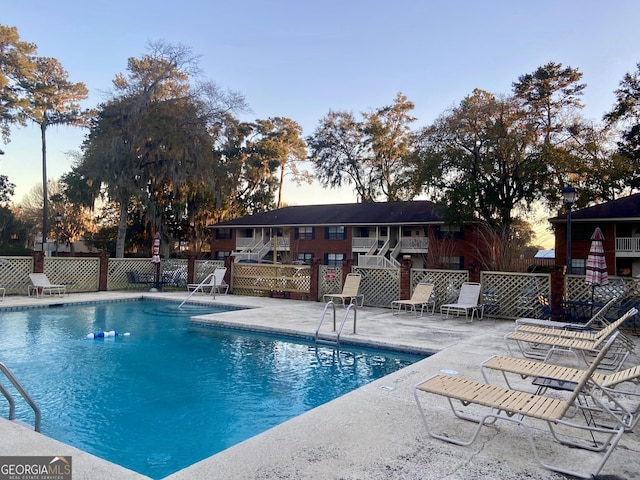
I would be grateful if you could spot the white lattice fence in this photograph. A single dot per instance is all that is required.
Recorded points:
(120, 268)
(379, 285)
(264, 278)
(329, 280)
(446, 283)
(14, 274)
(204, 268)
(514, 295)
(576, 289)
(78, 274)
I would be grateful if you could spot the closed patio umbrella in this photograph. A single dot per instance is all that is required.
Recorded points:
(596, 263)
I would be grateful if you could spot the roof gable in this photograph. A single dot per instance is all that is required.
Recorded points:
(626, 207)
(369, 213)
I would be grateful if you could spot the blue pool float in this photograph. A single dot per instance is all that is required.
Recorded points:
(111, 333)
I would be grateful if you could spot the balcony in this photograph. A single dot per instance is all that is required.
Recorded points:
(628, 247)
(363, 244)
(414, 245)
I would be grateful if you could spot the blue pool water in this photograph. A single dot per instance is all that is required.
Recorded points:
(171, 393)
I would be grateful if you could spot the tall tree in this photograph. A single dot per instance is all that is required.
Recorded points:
(370, 154)
(154, 137)
(15, 66)
(551, 98)
(281, 141)
(53, 100)
(626, 114)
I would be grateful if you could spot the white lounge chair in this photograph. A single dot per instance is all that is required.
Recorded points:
(421, 298)
(213, 283)
(468, 301)
(40, 285)
(350, 291)
(523, 408)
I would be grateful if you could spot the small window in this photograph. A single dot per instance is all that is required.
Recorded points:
(304, 258)
(304, 233)
(335, 233)
(453, 262)
(578, 266)
(220, 255)
(223, 234)
(449, 232)
(334, 259)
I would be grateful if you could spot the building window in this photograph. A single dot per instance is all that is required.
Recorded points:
(578, 266)
(304, 258)
(453, 263)
(449, 232)
(222, 255)
(334, 259)
(335, 233)
(304, 233)
(223, 234)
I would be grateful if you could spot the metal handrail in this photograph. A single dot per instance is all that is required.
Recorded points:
(344, 319)
(203, 282)
(12, 404)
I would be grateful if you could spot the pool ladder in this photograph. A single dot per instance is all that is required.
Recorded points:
(335, 341)
(12, 403)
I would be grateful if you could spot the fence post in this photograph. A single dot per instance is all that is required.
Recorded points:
(314, 285)
(103, 278)
(405, 279)
(191, 269)
(229, 262)
(38, 261)
(557, 289)
(347, 265)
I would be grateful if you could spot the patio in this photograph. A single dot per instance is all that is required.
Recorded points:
(374, 432)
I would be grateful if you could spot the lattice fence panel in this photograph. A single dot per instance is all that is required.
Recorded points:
(262, 279)
(576, 289)
(329, 280)
(515, 295)
(204, 268)
(79, 274)
(14, 274)
(446, 283)
(119, 269)
(380, 286)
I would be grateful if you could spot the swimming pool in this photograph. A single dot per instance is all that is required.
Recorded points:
(171, 393)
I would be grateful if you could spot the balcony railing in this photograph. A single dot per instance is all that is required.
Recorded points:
(363, 243)
(414, 244)
(628, 245)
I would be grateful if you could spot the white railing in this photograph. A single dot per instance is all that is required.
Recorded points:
(414, 243)
(628, 244)
(243, 243)
(376, 261)
(363, 243)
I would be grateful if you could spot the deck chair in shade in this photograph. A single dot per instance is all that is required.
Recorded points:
(421, 297)
(40, 285)
(350, 292)
(547, 375)
(527, 409)
(213, 283)
(581, 344)
(468, 302)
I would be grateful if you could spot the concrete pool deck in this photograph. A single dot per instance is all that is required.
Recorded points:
(374, 432)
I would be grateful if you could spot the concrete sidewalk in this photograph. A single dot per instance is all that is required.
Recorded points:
(374, 432)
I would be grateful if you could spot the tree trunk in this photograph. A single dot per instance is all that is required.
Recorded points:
(122, 229)
(45, 195)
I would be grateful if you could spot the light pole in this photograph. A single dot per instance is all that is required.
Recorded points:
(58, 222)
(569, 196)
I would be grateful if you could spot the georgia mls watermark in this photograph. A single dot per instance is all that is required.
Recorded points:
(35, 468)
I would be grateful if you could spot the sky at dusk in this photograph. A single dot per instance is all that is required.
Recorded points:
(300, 59)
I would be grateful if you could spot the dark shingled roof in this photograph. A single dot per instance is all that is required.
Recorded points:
(370, 213)
(622, 208)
